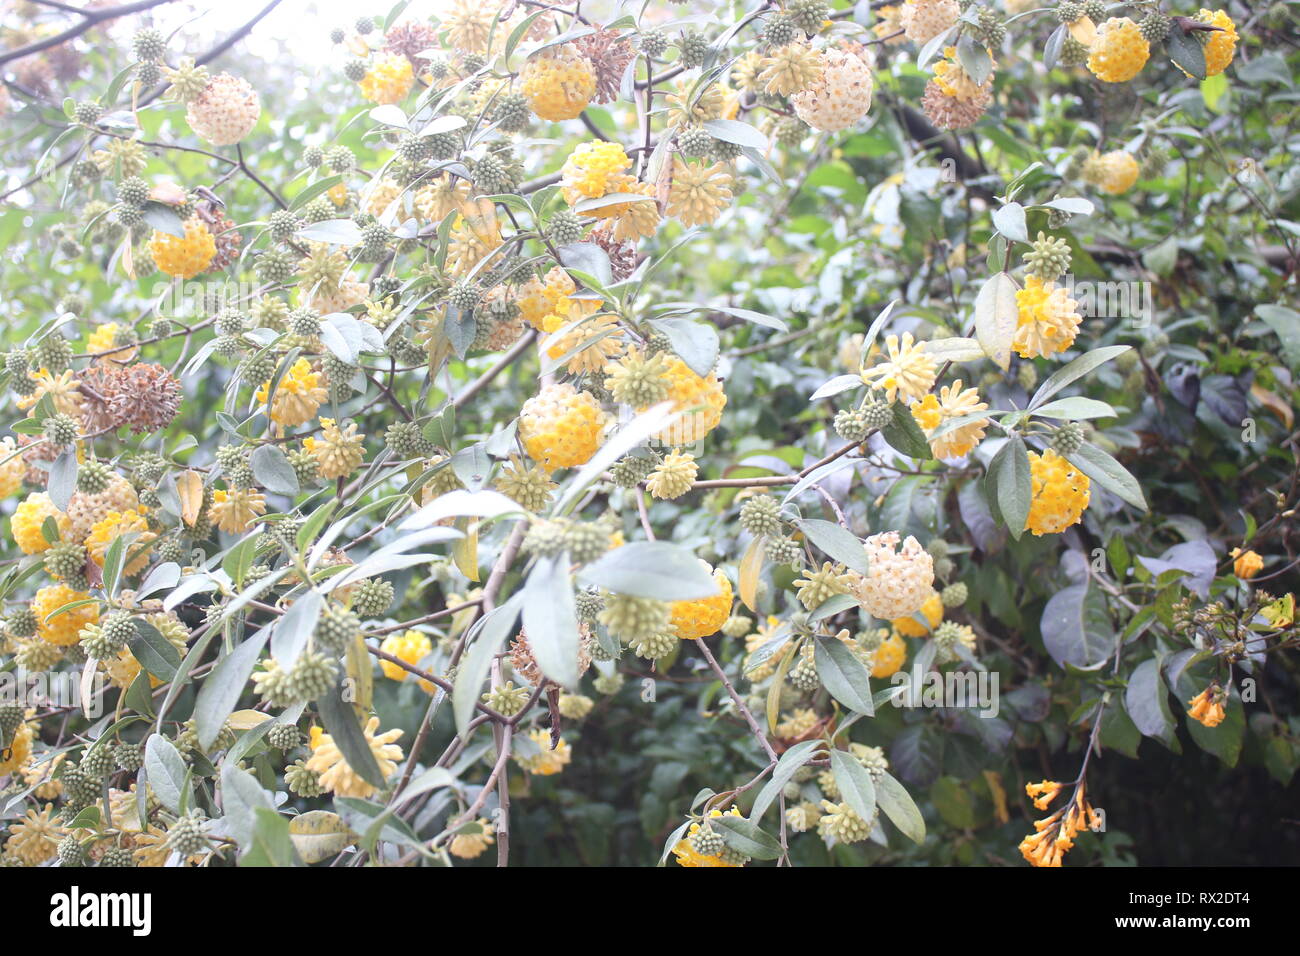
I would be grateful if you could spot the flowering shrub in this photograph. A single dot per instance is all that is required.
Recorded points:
(716, 435)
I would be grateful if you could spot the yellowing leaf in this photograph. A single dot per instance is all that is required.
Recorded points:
(1274, 404)
(1083, 30)
(751, 565)
(318, 835)
(190, 488)
(465, 551)
(246, 719)
(999, 794)
(362, 674)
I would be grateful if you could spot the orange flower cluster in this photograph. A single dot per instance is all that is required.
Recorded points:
(1054, 835)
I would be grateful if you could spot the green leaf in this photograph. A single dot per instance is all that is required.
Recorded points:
(785, 769)
(272, 843)
(652, 569)
(1010, 221)
(221, 689)
(898, 805)
(1075, 408)
(166, 771)
(746, 837)
(733, 131)
(1147, 701)
(155, 653)
(1076, 627)
(835, 541)
(996, 314)
(1286, 323)
(905, 434)
(318, 835)
(1013, 484)
(272, 470)
(1107, 472)
(1075, 370)
(551, 619)
(1186, 51)
(474, 666)
(843, 675)
(854, 781)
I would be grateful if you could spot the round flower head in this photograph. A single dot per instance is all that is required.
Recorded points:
(840, 97)
(908, 371)
(411, 647)
(388, 80)
(12, 467)
(703, 616)
(923, 20)
(62, 629)
(28, 522)
(225, 112)
(338, 452)
(558, 83)
(298, 395)
(592, 170)
(184, 257)
(1221, 45)
(112, 527)
(1119, 51)
(471, 841)
(890, 656)
(1113, 173)
(1061, 494)
(560, 426)
(700, 401)
(103, 339)
(1047, 320)
(931, 610)
(951, 78)
(337, 776)
(951, 402)
(898, 580)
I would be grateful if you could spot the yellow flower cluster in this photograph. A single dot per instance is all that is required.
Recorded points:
(703, 616)
(388, 80)
(1119, 51)
(1114, 173)
(548, 760)
(184, 258)
(411, 647)
(1207, 706)
(560, 426)
(62, 629)
(335, 774)
(113, 526)
(235, 510)
(1054, 836)
(907, 371)
(952, 402)
(1221, 46)
(931, 610)
(558, 83)
(338, 452)
(29, 518)
(700, 401)
(686, 855)
(1047, 320)
(1061, 494)
(298, 395)
(548, 303)
(593, 170)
